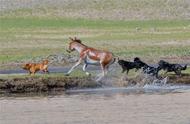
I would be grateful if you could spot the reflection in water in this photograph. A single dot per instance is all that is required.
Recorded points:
(100, 106)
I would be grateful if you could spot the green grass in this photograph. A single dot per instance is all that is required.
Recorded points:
(76, 73)
(23, 38)
(35, 22)
(187, 70)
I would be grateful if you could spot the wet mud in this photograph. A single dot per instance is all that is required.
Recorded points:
(41, 84)
(141, 80)
(47, 84)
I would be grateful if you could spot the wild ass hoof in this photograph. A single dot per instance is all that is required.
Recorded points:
(98, 79)
(88, 74)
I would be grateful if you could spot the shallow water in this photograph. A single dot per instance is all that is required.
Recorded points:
(133, 105)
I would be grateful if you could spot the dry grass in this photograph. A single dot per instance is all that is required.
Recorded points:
(99, 9)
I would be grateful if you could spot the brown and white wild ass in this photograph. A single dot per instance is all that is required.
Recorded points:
(90, 56)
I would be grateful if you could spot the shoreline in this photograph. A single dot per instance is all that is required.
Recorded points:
(45, 84)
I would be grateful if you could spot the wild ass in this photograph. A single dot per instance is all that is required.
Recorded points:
(90, 56)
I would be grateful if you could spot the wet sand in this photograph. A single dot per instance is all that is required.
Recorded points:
(97, 108)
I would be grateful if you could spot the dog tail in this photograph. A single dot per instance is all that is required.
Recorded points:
(184, 68)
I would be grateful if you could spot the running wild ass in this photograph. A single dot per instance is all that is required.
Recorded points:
(90, 56)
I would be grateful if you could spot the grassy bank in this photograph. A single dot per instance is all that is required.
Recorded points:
(26, 84)
(57, 83)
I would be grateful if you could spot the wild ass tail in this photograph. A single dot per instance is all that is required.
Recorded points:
(112, 61)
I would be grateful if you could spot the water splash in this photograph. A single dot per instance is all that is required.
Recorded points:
(139, 82)
(148, 88)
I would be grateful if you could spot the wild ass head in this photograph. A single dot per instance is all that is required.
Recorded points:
(73, 43)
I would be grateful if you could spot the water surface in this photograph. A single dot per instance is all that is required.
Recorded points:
(148, 105)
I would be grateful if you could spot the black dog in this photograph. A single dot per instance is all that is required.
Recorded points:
(139, 63)
(151, 70)
(146, 68)
(177, 68)
(126, 65)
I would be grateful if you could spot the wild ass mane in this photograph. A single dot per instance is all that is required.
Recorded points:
(76, 40)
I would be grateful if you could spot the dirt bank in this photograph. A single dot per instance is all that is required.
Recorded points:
(44, 84)
(48, 84)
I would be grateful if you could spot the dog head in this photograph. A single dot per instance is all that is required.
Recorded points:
(136, 59)
(139, 63)
(161, 62)
(120, 61)
(27, 66)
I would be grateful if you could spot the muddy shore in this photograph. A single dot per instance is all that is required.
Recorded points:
(48, 84)
(45, 84)
(142, 80)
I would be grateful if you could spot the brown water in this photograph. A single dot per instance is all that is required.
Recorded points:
(113, 106)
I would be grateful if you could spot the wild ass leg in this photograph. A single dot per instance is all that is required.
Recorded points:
(108, 65)
(77, 64)
(106, 69)
(84, 69)
(103, 72)
(103, 69)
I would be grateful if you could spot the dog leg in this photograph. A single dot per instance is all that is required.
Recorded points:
(33, 73)
(127, 71)
(178, 72)
(123, 70)
(165, 72)
(46, 71)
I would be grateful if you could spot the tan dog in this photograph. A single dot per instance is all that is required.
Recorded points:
(34, 67)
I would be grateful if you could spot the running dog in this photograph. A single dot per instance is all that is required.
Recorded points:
(126, 65)
(146, 68)
(168, 67)
(151, 70)
(139, 63)
(32, 68)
